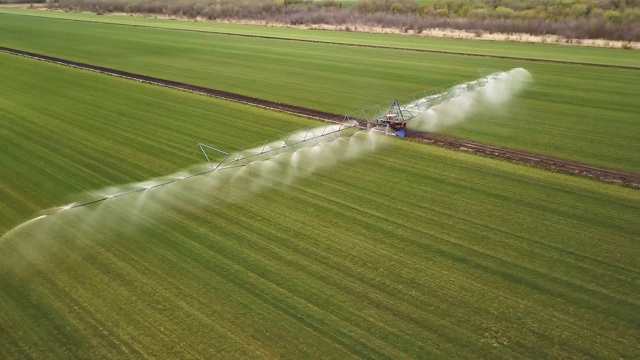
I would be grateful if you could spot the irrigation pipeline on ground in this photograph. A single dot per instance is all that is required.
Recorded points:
(362, 118)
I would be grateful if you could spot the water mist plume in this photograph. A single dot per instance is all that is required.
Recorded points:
(273, 164)
(494, 94)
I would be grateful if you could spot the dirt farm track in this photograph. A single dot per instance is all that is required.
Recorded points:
(553, 164)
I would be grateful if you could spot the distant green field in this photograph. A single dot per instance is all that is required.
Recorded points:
(412, 251)
(589, 114)
(491, 48)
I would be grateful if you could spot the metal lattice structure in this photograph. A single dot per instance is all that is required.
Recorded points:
(386, 118)
(392, 118)
(286, 144)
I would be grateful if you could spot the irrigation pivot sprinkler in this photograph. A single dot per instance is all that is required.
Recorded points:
(396, 117)
(287, 143)
(202, 146)
(392, 119)
(143, 187)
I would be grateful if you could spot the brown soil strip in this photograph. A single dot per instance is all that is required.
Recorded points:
(502, 57)
(296, 110)
(549, 163)
(545, 162)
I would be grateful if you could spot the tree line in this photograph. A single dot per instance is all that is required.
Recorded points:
(572, 19)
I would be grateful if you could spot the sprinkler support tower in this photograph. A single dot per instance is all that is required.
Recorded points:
(202, 146)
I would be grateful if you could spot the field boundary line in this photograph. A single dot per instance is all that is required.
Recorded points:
(444, 52)
(545, 162)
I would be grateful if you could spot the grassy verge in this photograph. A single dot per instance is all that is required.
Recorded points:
(413, 251)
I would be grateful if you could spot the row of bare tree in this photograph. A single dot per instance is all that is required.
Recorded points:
(601, 19)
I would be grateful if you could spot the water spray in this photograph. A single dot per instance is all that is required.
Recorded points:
(424, 110)
(489, 92)
(264, 151)
(443, 106)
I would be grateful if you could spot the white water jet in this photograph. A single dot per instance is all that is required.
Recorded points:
(198, 186)
(300, 154)
(472, 97)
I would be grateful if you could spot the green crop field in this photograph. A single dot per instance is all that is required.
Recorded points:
(35, 127)
(491, 48)
(571, 111)
(411, 251)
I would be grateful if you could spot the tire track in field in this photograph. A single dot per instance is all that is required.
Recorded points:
(550, 163)
(269, 37)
